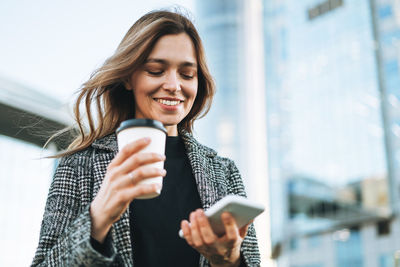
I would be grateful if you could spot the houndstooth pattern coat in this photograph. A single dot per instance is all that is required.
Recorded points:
(65, 231)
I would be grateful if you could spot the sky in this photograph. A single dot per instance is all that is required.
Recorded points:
(54, 46)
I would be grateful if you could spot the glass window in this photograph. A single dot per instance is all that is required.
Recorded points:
(383, 228)
(349, 250)
(294, 244)
(314, 241)
(386, 260)
(392, 66)
(385, 11)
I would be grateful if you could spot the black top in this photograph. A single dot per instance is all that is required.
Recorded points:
(155, 223)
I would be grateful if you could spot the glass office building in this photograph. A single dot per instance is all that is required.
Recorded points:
(235, 126)
(387, 33)
(332, 73)
(333, 105)
(219, 24)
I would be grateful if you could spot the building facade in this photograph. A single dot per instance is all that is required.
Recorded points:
(332, 116)
(232, 34)
(332, 83)
(220, 25)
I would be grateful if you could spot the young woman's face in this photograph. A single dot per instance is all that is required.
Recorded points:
(165, 87)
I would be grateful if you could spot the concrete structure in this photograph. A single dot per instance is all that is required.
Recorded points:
(27, 119)
(29, 115)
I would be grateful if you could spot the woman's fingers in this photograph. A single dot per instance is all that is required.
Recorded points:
(200, 236)
(243, 230)
(139, 159)
(128, 150)
(185, 226)
(140, 174)
(139, 190)
(231, 229)
(194, 228)
(205, 229)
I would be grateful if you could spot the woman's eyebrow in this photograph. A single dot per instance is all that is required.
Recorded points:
(165, 62)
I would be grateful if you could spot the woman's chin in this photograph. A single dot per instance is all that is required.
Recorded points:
(168, 121)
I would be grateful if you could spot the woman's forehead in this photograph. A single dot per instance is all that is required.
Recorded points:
(174, 48)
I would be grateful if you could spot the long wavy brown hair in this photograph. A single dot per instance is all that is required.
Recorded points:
(106, 90)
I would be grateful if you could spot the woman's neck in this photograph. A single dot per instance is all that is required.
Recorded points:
(172, 130)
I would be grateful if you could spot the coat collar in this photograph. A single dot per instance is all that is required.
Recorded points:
(109, 143)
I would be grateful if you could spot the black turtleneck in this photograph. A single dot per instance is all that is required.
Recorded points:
(155, 223)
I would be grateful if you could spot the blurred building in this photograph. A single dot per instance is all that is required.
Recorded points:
(232, 34)
(332, 71)
(220, 24)
(27, 117)
(386, 27)
(333, 104)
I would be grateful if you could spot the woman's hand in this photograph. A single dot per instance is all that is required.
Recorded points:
(120, 185)
(220, 251)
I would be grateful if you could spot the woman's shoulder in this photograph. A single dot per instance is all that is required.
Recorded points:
(77, 158)
(194, 145)
(105, 144)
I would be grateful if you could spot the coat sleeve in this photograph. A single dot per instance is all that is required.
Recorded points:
(66, 226)
(249, 249)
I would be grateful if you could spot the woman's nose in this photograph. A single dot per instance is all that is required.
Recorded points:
(172, 82)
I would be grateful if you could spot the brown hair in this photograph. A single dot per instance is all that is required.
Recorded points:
(105, 88)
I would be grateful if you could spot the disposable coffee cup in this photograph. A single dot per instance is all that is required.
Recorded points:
(134, 129)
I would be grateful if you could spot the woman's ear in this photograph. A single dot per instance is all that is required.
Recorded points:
(127, 85)
(128, 81)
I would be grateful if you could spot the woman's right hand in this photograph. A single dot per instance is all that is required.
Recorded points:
(120, 186)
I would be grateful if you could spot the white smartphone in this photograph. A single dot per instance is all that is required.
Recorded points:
(241, 208)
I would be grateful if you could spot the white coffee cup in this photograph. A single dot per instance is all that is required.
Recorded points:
(134, 129)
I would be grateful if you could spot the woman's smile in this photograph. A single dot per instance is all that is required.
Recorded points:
(165, 88)
(166, 101)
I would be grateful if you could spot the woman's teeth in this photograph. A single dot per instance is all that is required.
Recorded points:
(168, 102)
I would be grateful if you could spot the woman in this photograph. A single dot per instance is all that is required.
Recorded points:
(92, 216)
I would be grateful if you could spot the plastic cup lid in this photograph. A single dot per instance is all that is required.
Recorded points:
(141, 123)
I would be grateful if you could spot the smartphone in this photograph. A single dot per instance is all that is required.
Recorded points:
(241, 208)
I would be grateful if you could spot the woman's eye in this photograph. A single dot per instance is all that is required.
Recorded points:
(188, 75)
(155, 73)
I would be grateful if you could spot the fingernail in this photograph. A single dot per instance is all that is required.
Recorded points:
(226, 217)
(147, 139)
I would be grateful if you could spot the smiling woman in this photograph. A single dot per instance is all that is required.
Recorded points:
(93, 216)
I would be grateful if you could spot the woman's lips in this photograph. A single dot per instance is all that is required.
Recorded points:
(170, 104)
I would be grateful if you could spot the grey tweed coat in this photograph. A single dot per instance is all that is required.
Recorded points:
(65, 231)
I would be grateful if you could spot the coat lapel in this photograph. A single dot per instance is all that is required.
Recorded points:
(121, 229)
(201, 161)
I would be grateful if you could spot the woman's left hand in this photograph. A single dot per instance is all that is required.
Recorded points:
(220, 251)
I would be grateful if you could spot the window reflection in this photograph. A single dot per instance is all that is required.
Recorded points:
(334, 156)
